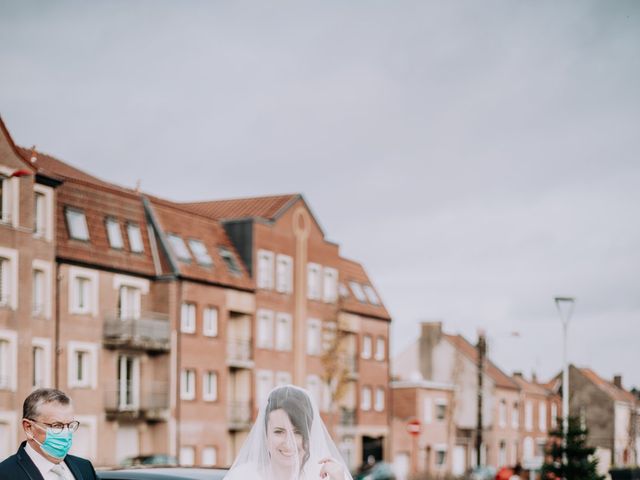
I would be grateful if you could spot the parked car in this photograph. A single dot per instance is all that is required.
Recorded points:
(483, 473)
(379, 471)
(162, 473)
(154, 459)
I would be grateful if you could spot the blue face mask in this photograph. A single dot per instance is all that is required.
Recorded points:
(56, 445)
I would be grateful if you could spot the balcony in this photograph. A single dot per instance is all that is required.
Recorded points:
(347, 417)
(239, 353)
(239, 415)
(151, 404)
(351, 365)
(151, 332)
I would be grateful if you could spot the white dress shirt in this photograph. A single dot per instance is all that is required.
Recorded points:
(44, 466)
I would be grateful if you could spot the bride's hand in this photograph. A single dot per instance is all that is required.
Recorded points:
(331, 470)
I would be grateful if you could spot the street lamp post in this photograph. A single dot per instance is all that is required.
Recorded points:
(565, 309)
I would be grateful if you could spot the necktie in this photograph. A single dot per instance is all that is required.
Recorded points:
(61, 472)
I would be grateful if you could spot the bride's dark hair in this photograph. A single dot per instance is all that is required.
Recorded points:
(297, 405)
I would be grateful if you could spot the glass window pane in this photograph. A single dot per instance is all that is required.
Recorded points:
(179, 248)
(114, 234)
(135, 238)
(77, 224)
(200, 251)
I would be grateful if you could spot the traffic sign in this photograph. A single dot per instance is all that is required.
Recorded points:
(414, 426)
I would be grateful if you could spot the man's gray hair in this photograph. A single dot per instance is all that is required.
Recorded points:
(31, 406)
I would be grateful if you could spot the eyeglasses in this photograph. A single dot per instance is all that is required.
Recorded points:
(59, 427)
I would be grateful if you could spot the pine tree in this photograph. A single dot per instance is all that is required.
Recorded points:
(580, 462)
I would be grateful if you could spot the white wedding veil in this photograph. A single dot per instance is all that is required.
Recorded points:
(288, 441)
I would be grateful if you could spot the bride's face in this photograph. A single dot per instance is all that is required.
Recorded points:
(284, 440)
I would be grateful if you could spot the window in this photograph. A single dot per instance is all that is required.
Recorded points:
(179, 248)
(6, 202)
(135, 238)
(365, 399)
(356, 288)
(82, 364)
(188, 384)
(39, 214)
(9, 277)
(502, 453)
(265, 329)
(187, 456)
(230, 260)
(114, 234)
(330, 287)
(380, 349)
(83, 291)
(210, 386)
(188, 318)
(210, 322)
(128, 382)
(38, 294)
(8, 360)
(265, 269)
(77, 224)
(441, 455)
(314, 385)
(82, 288)
(283, 378)
(366, 347)
(5, 283)
(542, 416)
(284, 274)
(515, 415)
(129, 303)
(200, 252)
(40, 357)
(554, 415)
(528, 415)
(371, 295)
(343, 290)
(283, 332)
(264, 385)
(379, 404)
(314, 327)
(502, 415)
(427, 415)
(313, 281)
(528, 448)
(441, 409)
(209, 456)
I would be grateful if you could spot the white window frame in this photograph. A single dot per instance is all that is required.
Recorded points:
(200, 252)
(84, 227)
(528, 415)
(314, 387)
(370, 293)
(188, 314)
(210, 321)
(9, 277)
(284, 332)
(8, 372)
(542, 416)
(134, 246)
(188, 384)
(314, 336)
(264, 335)
(209, 456)
(330, 285)
(179, 248)
(114, 233)
(92, 276)
(379, 400)
(284, 273)
(427, 410)
(264, 385)
(129, 302)
(314, 279)
(367, 347)
(210, 388)
(265, 269)
(135, 382)
(10, 419)
(44, 344)
(46, 269)
(358, 292)
(441, 406)
(554, 415)
(91, 349)
(187, 456)
(502, 413)
(10, 201)
(440, 449)
(365, 398)
(47, 213)
(515, 415)
(381, 348)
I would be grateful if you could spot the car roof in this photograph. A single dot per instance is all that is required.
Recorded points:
(163, 473)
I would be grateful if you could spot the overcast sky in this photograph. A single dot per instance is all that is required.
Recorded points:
(479, 158)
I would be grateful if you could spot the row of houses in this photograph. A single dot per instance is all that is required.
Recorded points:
(168, 323)
(435, 383)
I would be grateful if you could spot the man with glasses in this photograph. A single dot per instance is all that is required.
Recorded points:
(48, 423)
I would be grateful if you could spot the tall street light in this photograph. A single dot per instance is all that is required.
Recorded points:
(565, 309)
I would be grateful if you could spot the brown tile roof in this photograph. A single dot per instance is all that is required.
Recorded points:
(269, 207)
(531, 387)
(353, 271)
(618, 394)
(500, 378)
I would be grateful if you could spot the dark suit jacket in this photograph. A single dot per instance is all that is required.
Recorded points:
(21, 467)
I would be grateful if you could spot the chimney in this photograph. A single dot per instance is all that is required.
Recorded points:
(430, 335)
(617, 381)
(534, 377)
(517, 375)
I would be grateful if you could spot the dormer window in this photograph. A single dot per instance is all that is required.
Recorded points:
(200, 252)
(371, 294)
(356, 288)
(179, 248)
(135, 238)
(77, 224)
(230, 260)
(114, 234)
(5, 199)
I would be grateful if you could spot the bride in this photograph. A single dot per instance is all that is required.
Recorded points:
(288, 442)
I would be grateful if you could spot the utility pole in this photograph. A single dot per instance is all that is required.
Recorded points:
(481, 350)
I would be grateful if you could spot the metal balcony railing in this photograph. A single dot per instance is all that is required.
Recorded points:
(239, 415)
(129, 399)
(347, 417)
(351, 365)
(151, 331)
(238, 350)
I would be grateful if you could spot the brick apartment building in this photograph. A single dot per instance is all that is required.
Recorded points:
(168, 324)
